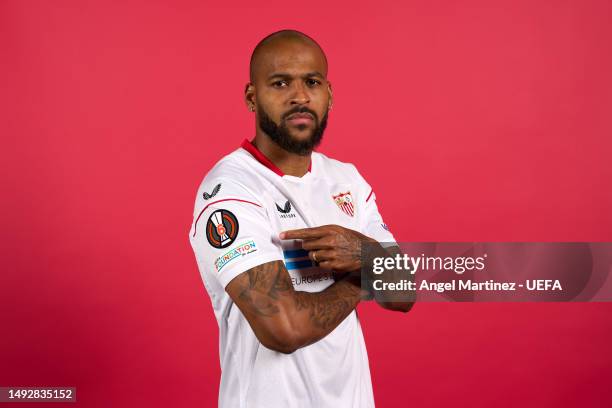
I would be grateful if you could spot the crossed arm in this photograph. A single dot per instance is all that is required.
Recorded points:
(284, 319)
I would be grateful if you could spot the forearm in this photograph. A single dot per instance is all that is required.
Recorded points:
(284, 319)
(315, 315)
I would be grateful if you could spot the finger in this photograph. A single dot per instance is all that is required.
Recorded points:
(333, 265)
(326, 242)
(304, 233)
(321, 255)
(313, 257)
(326, 265)
(337, 265)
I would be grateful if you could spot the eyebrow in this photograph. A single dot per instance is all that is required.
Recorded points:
(286, 75)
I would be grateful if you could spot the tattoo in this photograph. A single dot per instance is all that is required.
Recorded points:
(330, 307)
(262, 287)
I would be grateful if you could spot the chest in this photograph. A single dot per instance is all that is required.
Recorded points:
(294, 206)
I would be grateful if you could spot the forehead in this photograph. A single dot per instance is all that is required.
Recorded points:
(291, 57)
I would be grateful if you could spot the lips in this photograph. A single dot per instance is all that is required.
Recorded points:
(300, 118)
(300, 115)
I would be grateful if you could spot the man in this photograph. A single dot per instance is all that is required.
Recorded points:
(277, 234)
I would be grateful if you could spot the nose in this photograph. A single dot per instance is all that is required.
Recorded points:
(300, 95)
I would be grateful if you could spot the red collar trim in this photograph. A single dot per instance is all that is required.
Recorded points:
(250, 147)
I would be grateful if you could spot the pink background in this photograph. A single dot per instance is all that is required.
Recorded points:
(477, 120)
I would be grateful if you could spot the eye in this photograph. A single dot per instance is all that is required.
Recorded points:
(280, 84)
(312, 82)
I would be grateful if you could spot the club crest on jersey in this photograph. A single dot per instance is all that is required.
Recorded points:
(285, 212)
(344, 201)
(221, 228)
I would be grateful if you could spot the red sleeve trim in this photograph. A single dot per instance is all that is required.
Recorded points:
(215, 202)
(369, 196)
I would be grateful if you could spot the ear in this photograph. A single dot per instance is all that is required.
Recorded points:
(331, 95)
(249, 96)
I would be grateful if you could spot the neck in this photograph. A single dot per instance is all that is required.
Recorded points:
(289, 163)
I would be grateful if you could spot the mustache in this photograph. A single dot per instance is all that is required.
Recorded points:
(300, 109)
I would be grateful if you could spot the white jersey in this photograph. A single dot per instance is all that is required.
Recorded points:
(243, 204)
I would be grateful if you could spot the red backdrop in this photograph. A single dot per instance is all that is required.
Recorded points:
(476, 120)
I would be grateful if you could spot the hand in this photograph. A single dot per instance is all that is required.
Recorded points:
(331, 246)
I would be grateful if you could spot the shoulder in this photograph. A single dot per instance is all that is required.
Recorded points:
(232, 176)
(338, 169)
(231, 188)
(336, 166)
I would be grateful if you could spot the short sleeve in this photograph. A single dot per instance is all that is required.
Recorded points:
(231, 232)
(372, 224)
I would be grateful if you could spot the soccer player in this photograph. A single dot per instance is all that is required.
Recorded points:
(277, 234)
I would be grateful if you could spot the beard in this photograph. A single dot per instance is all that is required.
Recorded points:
(281, 136)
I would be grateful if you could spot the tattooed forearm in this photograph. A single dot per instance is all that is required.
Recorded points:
(261, 286)
(330, 307)
(277, 312)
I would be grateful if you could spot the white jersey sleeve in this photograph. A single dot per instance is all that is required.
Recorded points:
(231, 232)
(374, 226)
(372, 223)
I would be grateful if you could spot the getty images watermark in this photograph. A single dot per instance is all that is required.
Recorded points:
(488, 271)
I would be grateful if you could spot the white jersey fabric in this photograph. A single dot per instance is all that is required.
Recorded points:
(243, 204)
